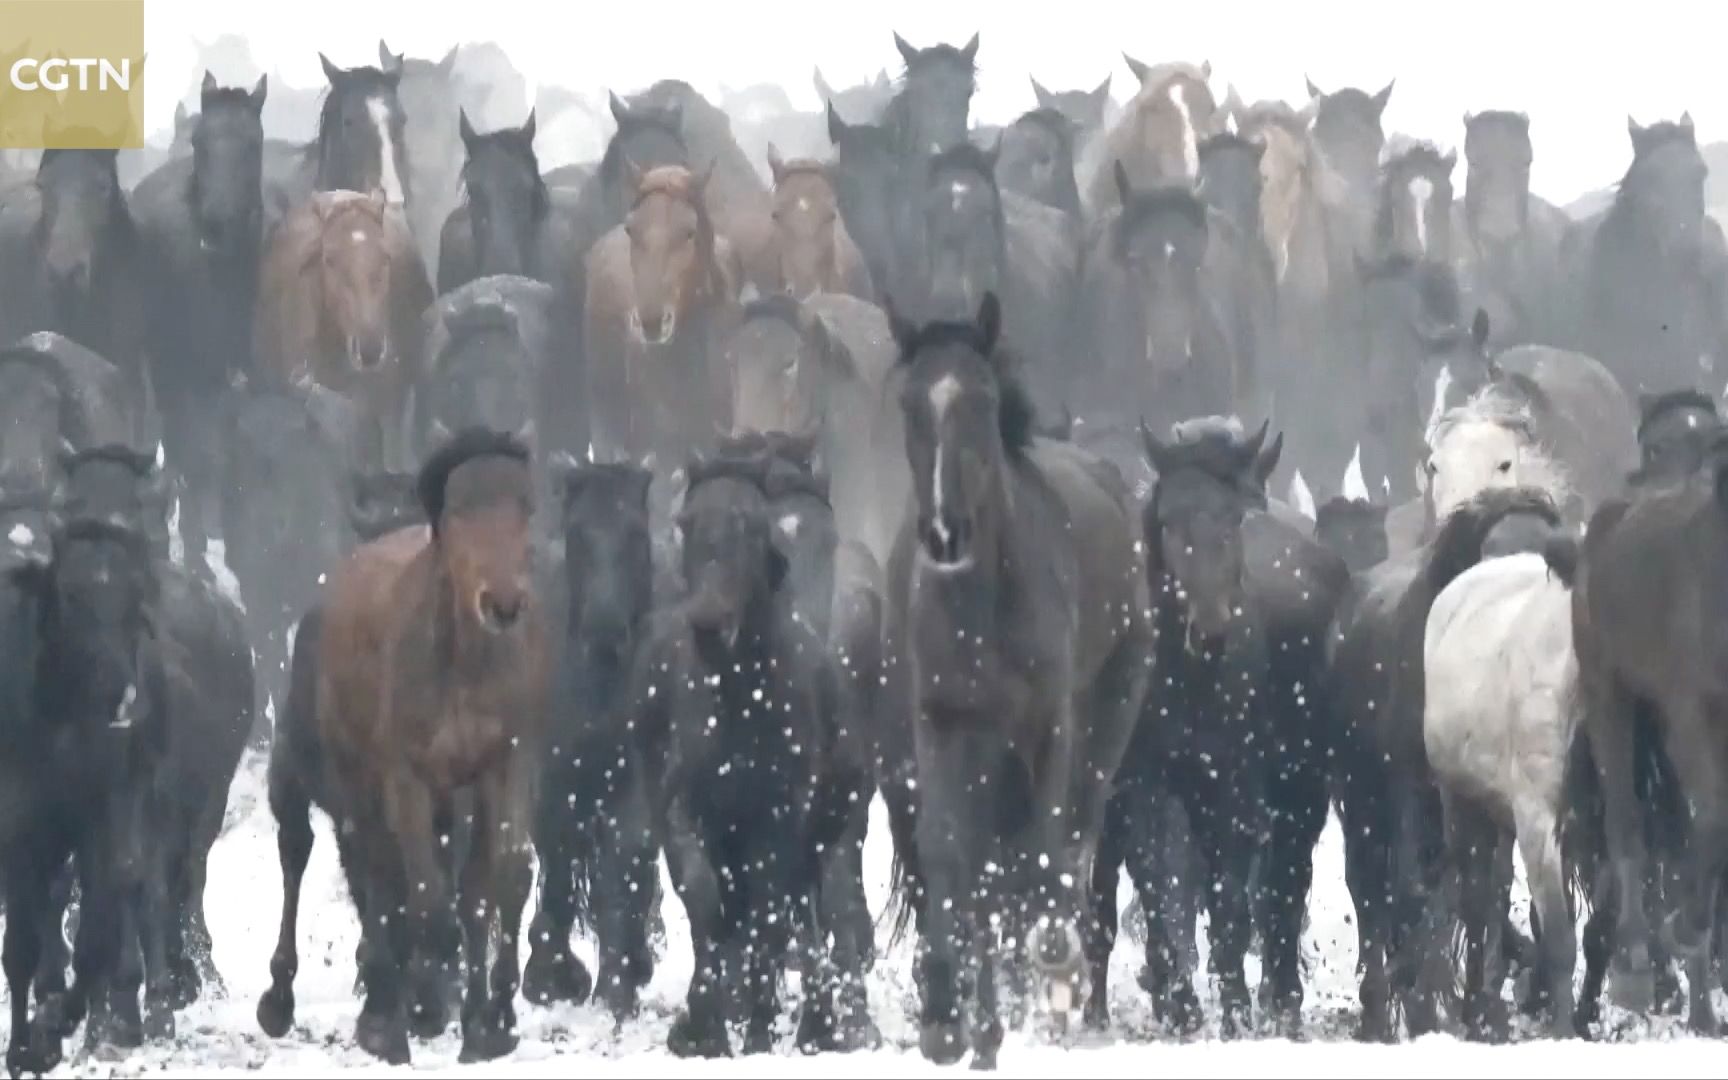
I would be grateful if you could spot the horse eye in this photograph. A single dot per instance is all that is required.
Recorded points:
(1432, 468)
(1504, 466)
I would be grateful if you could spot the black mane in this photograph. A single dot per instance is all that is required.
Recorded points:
(1055, 121)
(941, 54)
(1229, 140)
(966, 157)
(782, 307)
(1420, 154)
(1164, 199)
(1654, 138)
(1655, 407)
(1499, 118)
(1345, 508)
(140, 464)
(463, 447)
(640, 118)
(512, 142)
(1457, 546)
(368, 80)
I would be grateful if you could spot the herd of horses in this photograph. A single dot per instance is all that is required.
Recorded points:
(679, 505)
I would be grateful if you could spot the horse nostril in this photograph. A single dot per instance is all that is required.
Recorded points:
(498, 613)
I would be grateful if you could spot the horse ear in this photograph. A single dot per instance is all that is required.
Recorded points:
(1206, 69)
(469, 136)
(528, 128)
(1124, 189)
(1157, 453)
(1469, 118)
(823, 90)
(562, 466)
(1042, 96)
(970, 52)
(1102, 94)
(388, 62)
(1479, 328)
(1686, 121)
(990, 321)
(376, 198)
(448, 65)
(1450, 161)
(1251, 448)
(180, 118)
(1140, 70)
(332, 73)
(1266, 461)
(633, 175)
(836, 126)
(776, 167)
(907, 52)
(1383, 97)
(205, 89)
(620, 110)
(260, 91)
(1637, 131)
(1314, 92)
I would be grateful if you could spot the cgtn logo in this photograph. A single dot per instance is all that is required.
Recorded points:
(57, 75)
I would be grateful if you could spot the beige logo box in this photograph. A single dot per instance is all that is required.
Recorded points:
(71, 74)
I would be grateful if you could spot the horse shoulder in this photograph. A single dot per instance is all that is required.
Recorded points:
(455, 251)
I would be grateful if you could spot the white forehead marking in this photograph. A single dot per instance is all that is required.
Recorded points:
(357, 236)
(803, 202)
(942, 395)
(21, 535)
(379, 110)
(1169, 249)
(1178, 93)
(958, 190)
(1421, 191)
(789, 526)
(1442, 387)
(1691, 422)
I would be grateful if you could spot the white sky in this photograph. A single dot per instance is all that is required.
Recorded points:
(1577, 73)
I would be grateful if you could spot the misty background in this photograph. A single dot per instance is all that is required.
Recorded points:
(1577, 70)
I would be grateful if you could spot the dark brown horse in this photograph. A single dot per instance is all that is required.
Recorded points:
(340, 304)
(432, 672)
(661, 291)
(810, 251)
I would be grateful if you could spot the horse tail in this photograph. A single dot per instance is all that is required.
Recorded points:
(902, 900)
(1579, 828)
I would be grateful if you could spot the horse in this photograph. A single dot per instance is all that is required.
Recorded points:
(1020, 557)
(1157, 138)
(1489, 442)
(1507, 240)
(1499, 719)
(493, 349)
(400, 742)
(71, 261)
(1158, 334)
(864, 179)
(811, 250)
(1238, 262)
(510, 221)
(204, 225)
(1349, 135)
(430, 97)
(748, 812)
(1353, 529)
(1646, 611)
(55, 393)
(593, 829)
(283, 506)
(1675, 433)
(1648, 273)
(1242, 601)
(1413, 207)
(929, 114)
(978, 240)
(361, 143)
(1387, 801)
(340, 302)
(647, 137)
(865, 102)
(1036, 159)
(1086, 110)
(99, 675)
(662, 290)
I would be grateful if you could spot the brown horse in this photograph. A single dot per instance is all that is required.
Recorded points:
(1159, 134)
(662, 294)
(810, 251)
(432, 679)
(340, 304)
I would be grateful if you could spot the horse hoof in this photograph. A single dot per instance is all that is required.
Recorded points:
(54, 1017)
(758, 1040)
(38, 1057)
(690, 1038)
(560, 977)
(984, 1060)
(1585, 1017)
(488, 1039)
(1632, 990)
(115, 1032)
(1702, 1022)
(943, 1043)
(817, 1031)
(384, 1037)
(158, 1024)
(276, 1011)
(1097, 1015)
(429, 1016)
(1685, 941)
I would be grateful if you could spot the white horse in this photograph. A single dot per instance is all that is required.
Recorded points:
(1502, 685)
(1487, 443)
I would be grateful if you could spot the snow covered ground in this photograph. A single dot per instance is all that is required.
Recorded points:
(220, 1036)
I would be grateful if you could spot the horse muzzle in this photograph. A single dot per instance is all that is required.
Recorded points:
(947, 541)
(655, 332)
(367, 356)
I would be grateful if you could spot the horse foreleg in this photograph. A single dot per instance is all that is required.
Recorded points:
(27, 910)
(1609, 723)
(1702, 767)
(955, 839)
(554, 973)
(623, 891)
(701, 1030)
(1102, 926)
(413, 819)
(1223, 827)
(1558, 938)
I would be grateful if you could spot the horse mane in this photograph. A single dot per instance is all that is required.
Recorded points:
(226, 95)
(1229, 140)
(1457, 545)
(1436, 283)
(1401, 154)
(136, 462)
(781, 307)
(380, 503)
(1055, 121)
(1655, 137)
(675, 181)
(1017, 418)
(805, 167)
(118, 207)
(966, 157)
(577, 475)
(510, 141)
(1345, 508)
(1158, 76)
(1211, 445)
(1275, 113)
(1655, 407)
(1498, 118)
(939, 54)
(777, 464)
(465, 446)
(372, 77)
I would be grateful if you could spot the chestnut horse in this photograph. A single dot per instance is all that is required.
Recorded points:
(662, 294)
(432, 680)
(340, 304)
(810, 251)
